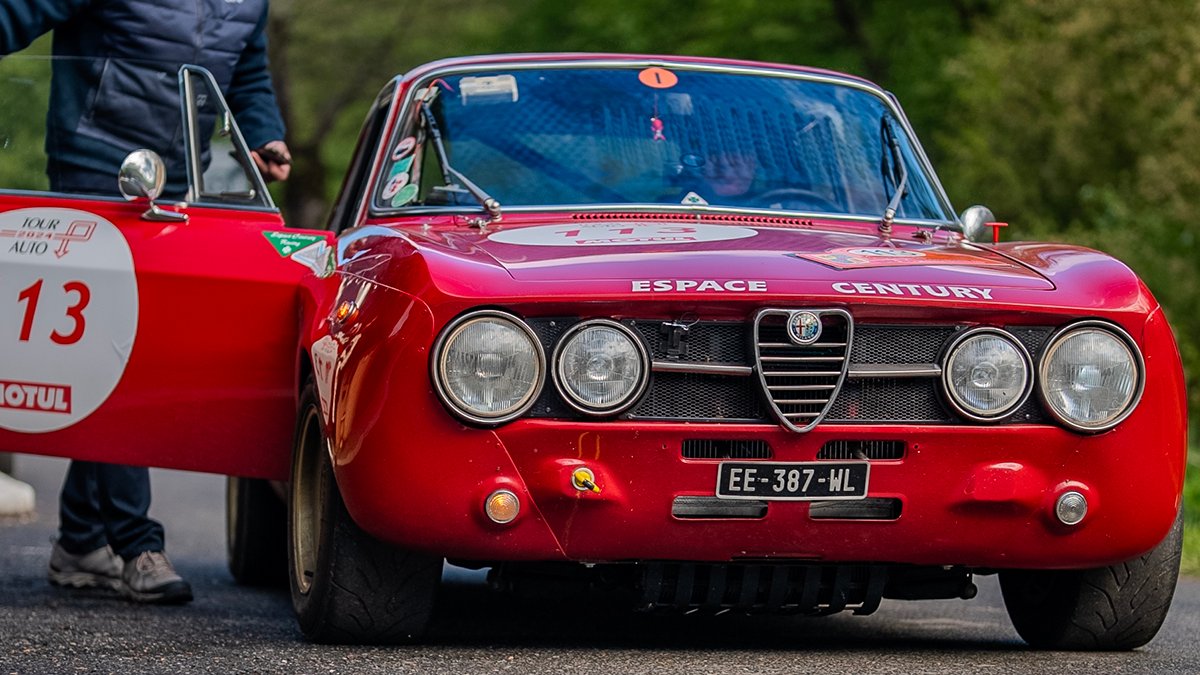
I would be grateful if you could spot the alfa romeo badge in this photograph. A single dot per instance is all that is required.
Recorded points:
(804, 328)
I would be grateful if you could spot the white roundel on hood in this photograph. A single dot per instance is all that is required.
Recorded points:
(619, 234)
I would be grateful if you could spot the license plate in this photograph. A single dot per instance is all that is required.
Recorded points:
(796, 481)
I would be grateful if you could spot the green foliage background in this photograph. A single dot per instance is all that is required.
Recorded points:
(26, 86)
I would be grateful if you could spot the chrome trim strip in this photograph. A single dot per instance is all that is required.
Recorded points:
(684, 211)
(778, 345)
(804, 359)
(812, 419)
(701, 368)
(899, 371)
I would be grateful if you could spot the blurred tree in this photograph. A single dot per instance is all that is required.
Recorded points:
(25, 83)
(329, 59)
(902, 46)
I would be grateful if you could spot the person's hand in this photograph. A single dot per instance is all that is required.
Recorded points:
(273, 160)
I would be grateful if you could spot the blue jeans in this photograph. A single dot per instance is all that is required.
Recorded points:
(107, 504)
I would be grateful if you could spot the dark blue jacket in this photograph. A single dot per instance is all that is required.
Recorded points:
(115, 85)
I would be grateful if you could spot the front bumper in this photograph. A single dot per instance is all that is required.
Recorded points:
(973, 496)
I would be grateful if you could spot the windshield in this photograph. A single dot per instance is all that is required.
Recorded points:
(557, 136)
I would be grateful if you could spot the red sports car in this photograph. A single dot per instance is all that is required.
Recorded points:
(706, 331)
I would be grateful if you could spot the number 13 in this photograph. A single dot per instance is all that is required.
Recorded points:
(74, 312)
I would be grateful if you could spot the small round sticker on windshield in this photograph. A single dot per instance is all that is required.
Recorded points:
(404, 147)
(658, 78)
(405, 195)
(394, 184)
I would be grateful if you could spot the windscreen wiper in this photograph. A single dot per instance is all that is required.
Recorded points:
(892, 146)
(450, 175)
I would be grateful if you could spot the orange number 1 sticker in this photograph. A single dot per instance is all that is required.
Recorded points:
(658, 78)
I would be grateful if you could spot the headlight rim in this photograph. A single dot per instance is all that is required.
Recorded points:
(564, 392)
(437, 367)
(948, 391)
(1121, 334)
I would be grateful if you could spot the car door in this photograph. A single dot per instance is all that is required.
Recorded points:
(133, 336)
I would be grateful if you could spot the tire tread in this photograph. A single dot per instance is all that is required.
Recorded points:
(1118, 607)
(364, 591)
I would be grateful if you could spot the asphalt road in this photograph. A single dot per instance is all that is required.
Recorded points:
(232, 629)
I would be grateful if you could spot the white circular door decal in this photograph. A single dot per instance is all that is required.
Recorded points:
(68, 316)
(619, 234)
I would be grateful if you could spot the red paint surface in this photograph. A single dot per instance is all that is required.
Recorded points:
(210, 383)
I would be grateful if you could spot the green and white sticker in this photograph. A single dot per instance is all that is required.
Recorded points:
(287, 243)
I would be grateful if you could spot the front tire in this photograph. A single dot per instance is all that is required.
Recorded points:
(1110, 608)
(347, 587)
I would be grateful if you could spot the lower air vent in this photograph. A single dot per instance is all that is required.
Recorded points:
(725, 449)
(711, 507)
(862, 450)
(755, 588)
(871, 508)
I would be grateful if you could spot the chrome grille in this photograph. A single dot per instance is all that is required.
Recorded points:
(708, 397)
(801, 381)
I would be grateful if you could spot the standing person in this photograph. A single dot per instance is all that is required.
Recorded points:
(115, 90)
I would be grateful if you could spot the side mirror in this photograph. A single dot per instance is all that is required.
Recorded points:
(142, 177)
(974, 222)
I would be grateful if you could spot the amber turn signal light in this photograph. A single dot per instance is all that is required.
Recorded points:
(502, 506)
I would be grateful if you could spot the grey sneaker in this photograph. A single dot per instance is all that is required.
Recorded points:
(99, 569)
(150, 578)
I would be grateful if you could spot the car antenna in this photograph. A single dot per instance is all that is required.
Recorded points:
(892, 146)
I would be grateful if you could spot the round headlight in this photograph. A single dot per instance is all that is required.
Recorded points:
(600, 367)
(489, 367)
(987, 374)
(1091, 376)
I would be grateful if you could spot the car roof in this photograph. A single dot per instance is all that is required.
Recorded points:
(608, 58)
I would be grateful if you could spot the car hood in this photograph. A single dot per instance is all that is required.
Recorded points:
(663, 252)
